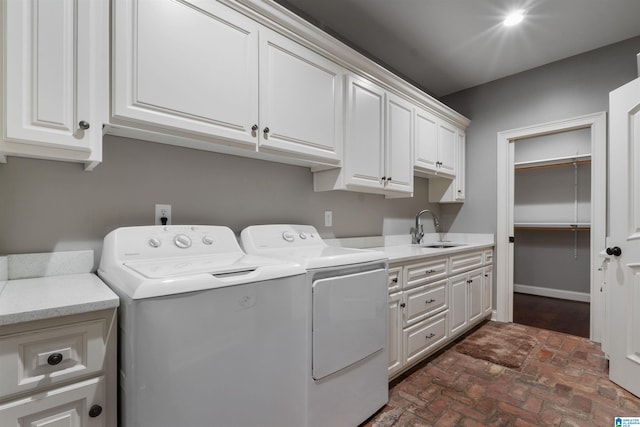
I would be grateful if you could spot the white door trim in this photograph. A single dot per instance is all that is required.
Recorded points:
(505, 174)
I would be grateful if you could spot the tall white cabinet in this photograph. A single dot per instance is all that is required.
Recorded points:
(55, 79)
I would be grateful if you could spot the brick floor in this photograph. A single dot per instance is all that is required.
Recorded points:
(563, 382)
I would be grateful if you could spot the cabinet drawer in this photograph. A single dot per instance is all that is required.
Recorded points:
(466, 261)
(425, 301)
(64, 406)
(424, 337)
(43, 357)
(488, 256)
(395, 279)
(425, 272)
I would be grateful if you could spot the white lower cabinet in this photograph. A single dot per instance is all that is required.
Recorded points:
(59, 372)
(437, 300)
(395, 333)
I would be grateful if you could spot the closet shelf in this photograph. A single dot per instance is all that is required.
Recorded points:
(559, 226)
(553, 162)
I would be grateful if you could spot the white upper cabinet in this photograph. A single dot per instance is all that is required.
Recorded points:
(445, 190)
(202, 69)
(377, 144)
(364, 135)
(301, 100)
(55, 79)
(399, 144)
(186, 66)
(435, 142)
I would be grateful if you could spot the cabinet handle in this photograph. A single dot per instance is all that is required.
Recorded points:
(95, 410)
(394, 280)
(615, 251)
(383, 179)
(403, 305)
(266, 130)
(54, 359)
(429, 301)
(431, 335)
(254, 128)
(430, 271)
(388, 179)
(84, 125)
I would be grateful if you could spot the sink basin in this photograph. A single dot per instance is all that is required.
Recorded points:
(441, 245)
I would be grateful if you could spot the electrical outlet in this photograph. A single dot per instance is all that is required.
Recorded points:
(163, 211)
(328, 218)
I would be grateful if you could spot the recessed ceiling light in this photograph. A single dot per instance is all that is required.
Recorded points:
(514, 18)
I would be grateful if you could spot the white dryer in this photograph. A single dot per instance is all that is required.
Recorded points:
(209, 336)
(347, 304)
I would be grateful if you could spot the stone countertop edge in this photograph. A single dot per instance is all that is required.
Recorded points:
(398, 248)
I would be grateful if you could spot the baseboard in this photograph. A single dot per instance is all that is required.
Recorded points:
(553, 293)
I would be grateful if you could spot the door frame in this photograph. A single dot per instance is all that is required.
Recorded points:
(597, 122)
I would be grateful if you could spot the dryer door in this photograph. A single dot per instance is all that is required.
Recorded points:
(349, 320)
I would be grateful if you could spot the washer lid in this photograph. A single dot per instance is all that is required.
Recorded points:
(173, 267)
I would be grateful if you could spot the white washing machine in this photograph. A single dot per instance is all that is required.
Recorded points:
(209, 336)
(347, 301)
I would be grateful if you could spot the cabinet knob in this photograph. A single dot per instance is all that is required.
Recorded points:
(429, 301)
(389, 179)
(615, 251)
(394, 280)
(403, 305)
(95, 410)
(54, 359)
(383, 179)
(84, 125)
(254, 128)
(431, 335)
(430, 271)
(266, 130)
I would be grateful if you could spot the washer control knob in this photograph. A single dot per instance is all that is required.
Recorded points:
(207, 240)
(303, 236)
(154, 242)
(288, 236)
(182, 241)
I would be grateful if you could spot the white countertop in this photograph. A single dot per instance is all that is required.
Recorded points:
(24, 300)
(47, 285)
(399, 248)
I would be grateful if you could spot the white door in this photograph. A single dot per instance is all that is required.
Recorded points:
(187, 66)
(623, 272)
(447, 144)
(300, 100)
(54, 62)
(426, 141)
(399, 144)
(364, 149)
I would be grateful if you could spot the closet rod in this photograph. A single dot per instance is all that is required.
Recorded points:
(579, 162)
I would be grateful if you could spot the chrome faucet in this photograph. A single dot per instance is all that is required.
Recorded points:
(418, 232)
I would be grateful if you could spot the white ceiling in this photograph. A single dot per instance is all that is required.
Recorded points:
(445, 46)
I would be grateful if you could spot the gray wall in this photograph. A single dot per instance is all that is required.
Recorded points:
(572, 87)
(47, 205)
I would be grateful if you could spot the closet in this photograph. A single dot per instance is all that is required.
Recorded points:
(552, 210)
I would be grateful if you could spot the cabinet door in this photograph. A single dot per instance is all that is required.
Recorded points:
(395, 333)
(426, 141)
(447, 144)
(458, 319)
(399, 144)
(487, 286)
(67, 406)
(459, 183)
(364, 144)
(301, 100)
(189, 66)
(475, 295)
(56, 55)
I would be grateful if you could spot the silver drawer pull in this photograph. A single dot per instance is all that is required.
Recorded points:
(429, 301)
(431, 335)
